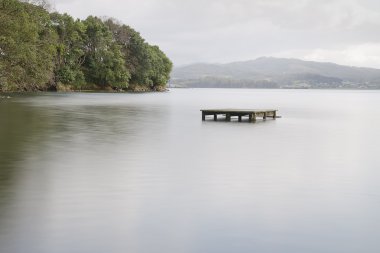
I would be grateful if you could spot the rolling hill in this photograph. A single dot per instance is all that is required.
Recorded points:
(269, 72)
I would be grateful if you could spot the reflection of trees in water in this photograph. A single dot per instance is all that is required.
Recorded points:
(105, 124)
(20, 125)
(44, 131)
(24, 128)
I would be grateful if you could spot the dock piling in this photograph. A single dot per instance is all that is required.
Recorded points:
(252, 114)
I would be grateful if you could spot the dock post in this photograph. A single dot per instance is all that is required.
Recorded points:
(229, 113)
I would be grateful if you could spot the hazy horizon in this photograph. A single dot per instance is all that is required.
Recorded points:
(257, 58)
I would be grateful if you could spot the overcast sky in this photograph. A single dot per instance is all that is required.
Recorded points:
(341, 31)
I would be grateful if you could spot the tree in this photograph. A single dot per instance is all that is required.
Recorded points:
(41, 3)
(147, 64)
(104, 64)
(160, 66)
(39, 50)
(26, 46)
(70, 49)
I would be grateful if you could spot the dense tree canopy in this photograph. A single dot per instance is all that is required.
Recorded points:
(147, 64)
(41, 50)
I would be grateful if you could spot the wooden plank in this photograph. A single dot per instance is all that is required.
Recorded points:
(252, 114)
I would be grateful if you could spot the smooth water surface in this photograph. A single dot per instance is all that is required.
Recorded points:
(114, 173)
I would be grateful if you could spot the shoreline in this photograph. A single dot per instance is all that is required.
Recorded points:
(9, 94)
(133, 88)
(108, 89)
(6, 94)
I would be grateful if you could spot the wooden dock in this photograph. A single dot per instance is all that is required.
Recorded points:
(227, 114)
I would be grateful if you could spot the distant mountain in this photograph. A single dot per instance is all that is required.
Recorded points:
(269, 72)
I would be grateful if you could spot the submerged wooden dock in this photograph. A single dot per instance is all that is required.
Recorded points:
(227, 114)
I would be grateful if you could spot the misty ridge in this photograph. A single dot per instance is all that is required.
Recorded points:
(270, 72)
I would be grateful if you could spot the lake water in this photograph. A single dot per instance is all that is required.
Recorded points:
(142, 173)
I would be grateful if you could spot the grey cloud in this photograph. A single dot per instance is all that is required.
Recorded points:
(226, 30)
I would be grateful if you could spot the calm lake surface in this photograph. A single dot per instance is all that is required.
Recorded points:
(142, 173)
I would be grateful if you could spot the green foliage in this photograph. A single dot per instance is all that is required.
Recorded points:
(104, 64)
(39, 50)
(159, 66)
(26, 46)
(70, 49)
(147, 64)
